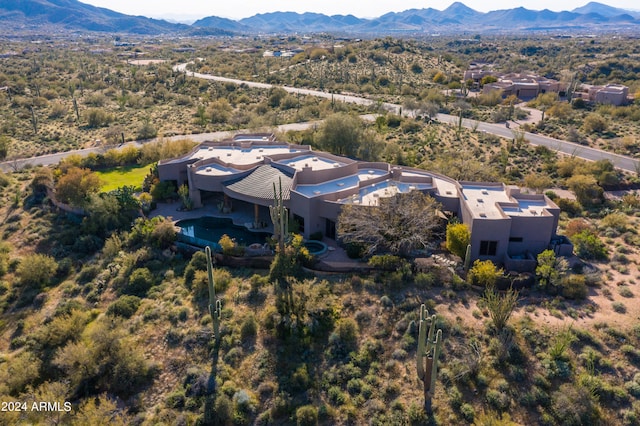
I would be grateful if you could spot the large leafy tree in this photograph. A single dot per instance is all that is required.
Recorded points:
(398, 224)
(76, 186)
(341, 134)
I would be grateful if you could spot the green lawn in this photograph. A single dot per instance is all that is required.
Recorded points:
(123, 176)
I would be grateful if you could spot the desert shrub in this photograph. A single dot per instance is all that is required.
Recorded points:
(387, 262)
(164, 234)
(619, 307)
(589, 246)
(355, 250)
(36, 270)
(139, 283)
(344, 339)
(425, 280)
(571, 207)
(574, 286)
(574, 405)
(550, 269)
(249, 327)
(229, 246)
(483, 273)
(457, 239)
(198, 263)
(124, 307)
(576, 226)
(20, 371)
(307, 415)
(618, 221)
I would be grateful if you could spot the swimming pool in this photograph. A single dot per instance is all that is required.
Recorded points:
(208, 230)
(316, 248)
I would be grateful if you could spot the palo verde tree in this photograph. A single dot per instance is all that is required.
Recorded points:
(399, 224)
(457, 239)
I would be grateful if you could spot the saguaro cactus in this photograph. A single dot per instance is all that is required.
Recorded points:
(279, 217)
(215, 305)
(467, 258)
(427, 356)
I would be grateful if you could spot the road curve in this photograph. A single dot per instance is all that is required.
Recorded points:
(569, 148)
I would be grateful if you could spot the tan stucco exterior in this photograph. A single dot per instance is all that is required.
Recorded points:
(503, 221)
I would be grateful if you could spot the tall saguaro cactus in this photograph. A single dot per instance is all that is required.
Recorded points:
(279, 217)
(215, 305)
(427, 357)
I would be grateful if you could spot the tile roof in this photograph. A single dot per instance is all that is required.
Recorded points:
(259, 183)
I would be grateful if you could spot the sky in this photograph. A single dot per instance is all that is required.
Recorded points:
(196, 9)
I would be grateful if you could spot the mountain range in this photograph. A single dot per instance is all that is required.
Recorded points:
(64, 15)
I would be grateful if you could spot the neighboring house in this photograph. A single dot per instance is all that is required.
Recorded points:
(611, 94)
(240, 173)
(523, 86)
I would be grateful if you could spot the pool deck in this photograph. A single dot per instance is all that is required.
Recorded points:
(335, 259)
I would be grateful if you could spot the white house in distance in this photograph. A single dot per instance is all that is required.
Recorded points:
(507, 226)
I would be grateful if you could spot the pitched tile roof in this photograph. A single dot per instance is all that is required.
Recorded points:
(259, 183)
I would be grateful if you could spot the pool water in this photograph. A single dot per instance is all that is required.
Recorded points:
(315, 248)
(208, 230)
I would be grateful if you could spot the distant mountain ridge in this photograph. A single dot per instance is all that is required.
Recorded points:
(457, 18)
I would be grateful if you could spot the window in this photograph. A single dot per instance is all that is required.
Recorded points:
(330, 229)
(516, 239)
(488, 248)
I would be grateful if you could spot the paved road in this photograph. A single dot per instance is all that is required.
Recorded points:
(620, 161)
(49, 159)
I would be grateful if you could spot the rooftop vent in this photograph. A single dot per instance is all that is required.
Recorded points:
(336, 164)
(261, 150)
(480, 200)
(210, 148)
(483, 215)
(228, 154)
(448, 192)
(533, 212)
(340, 183)
(317, 192)
(314, 159)
(370, 172)
(208, 169)
(485, 192)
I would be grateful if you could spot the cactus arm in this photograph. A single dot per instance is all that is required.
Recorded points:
(212, 288)
(215, 306)
(467, 258)
(422, 334)
(436, 354)
(279, 216)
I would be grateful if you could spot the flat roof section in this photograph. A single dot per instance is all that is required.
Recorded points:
(341, 184)
(237, 155)
(214, 169)
(371, 195)
(526, 208)
(482, 200)
(313, 161)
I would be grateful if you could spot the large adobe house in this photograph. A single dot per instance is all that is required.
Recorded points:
(506, 225)
(528, 86)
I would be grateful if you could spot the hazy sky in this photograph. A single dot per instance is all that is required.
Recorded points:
(195, 9)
